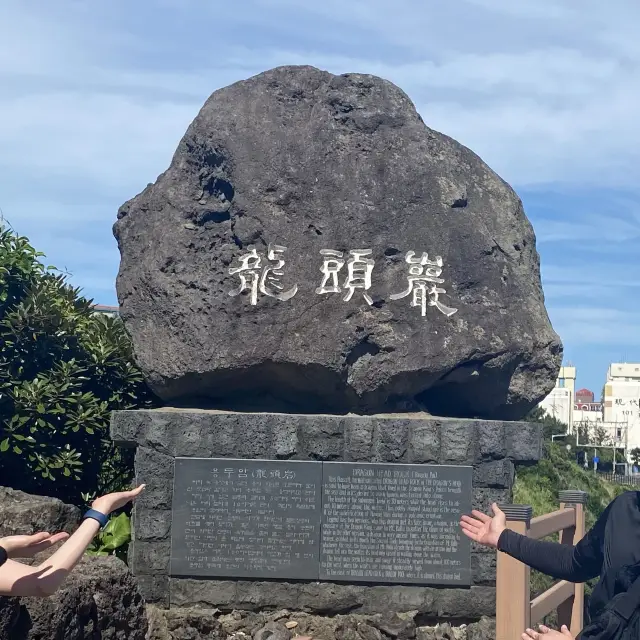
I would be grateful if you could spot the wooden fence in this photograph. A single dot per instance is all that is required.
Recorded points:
(515, 611)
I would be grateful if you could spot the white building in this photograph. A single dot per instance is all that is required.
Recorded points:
(559, 403)
(624, 371)
(622, 400)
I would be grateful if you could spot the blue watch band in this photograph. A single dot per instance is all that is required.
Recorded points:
(96, 515)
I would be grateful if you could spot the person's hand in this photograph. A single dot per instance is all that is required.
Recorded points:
(29, 546)
(547, 634)
(113, 501)
(484, 529)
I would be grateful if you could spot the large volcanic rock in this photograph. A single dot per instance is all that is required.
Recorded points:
(294, 162)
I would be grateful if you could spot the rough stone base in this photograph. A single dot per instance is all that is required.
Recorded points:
(326, 598)
(193, 624)
(492, 448)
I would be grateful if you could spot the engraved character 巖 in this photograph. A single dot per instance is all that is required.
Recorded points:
(423, 272)
(256, 278)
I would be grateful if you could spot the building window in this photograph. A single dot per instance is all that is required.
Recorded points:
(561, 383)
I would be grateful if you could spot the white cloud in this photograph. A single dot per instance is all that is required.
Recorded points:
(539, 107)
(589, 231)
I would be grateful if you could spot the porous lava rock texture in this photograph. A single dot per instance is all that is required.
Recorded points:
(315, 247)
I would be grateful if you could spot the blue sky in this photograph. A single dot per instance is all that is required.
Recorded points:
(96, 95)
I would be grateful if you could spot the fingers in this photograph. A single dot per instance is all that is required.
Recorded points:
(530, 634)
(134, 493)
(565, 631)
(497, 511)
(478, 515)
(469, 528)
(41, 541)
(470, 531)
(36, 538)
(473, 522)
(58, 537)
(544, 629)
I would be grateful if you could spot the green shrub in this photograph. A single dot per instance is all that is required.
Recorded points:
(63, 369)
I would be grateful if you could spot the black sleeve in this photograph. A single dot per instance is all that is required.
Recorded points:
(560, 561)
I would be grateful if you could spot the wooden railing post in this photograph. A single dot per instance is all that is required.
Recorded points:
(513, 596)
(571, 612)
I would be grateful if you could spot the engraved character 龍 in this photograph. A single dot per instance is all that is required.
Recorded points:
(423, 272)
(256, 278)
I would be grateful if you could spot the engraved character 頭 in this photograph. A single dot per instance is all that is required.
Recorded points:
(359, 270)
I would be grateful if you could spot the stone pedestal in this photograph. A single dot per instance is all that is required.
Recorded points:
(493, 448)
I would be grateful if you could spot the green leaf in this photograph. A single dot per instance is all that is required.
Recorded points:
(4, 445)
(117, 532)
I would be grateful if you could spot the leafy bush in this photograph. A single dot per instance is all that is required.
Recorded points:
(63, 369)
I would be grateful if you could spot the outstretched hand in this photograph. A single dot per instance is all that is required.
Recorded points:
(484, 529)
(547, 634)
(29, 546)
(114, 501)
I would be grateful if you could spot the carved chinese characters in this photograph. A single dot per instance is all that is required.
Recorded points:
(341, 274)
(265, 279)
(422, 272)
(359, 271)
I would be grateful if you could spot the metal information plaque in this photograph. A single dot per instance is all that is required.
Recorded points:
(246, 518)
(395, 523)
(336, 521)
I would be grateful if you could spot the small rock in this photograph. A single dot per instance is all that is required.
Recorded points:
(278, 615)
(485, 629)
(292, 624)
(394, 626)
(273, 631)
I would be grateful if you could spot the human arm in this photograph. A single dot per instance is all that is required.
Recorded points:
(563, 562)
(17, 579)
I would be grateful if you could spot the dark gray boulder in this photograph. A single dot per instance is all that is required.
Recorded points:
(23, 514)
(240, 286)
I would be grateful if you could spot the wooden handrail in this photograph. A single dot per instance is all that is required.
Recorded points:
(515, 611)
(550, 523)
(550, 600)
